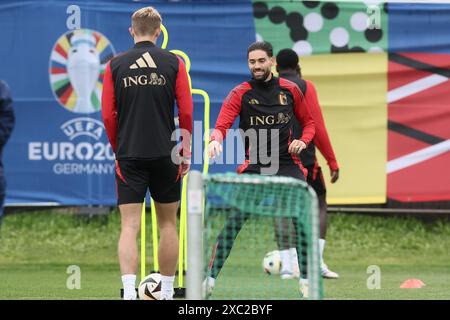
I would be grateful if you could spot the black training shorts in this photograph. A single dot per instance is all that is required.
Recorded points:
(315, 179)
(161, 176)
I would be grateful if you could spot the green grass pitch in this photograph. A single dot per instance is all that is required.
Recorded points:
(37, 248)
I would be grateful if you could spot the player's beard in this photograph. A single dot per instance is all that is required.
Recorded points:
(261, 77)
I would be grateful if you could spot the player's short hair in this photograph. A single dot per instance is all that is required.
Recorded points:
(146, 21)
(261, 45)
(287, 59)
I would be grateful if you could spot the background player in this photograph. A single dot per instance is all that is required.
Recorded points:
(288, 68)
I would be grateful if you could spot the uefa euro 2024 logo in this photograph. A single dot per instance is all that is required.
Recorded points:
(77, 64)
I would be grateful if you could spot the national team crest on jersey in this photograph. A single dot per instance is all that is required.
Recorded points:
(282, 98)
(77, 63)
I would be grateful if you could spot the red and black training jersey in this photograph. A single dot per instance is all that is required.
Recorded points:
(139, 91)
(321, 138)
(271, 105)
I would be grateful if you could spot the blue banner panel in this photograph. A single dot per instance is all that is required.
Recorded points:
(419, 27)
(59, 152)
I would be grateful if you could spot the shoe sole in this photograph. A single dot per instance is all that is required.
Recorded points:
(327, 277)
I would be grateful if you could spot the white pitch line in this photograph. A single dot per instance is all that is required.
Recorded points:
(418, 156)
(415, 87)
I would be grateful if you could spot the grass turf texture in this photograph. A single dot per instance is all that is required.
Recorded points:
(37, 247)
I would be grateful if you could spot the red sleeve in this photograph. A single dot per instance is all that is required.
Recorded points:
(321, 139)
(185, 107)
(301, 111)
(109, 108)
(230, 110)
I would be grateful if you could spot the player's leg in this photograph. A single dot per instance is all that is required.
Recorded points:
(318, 183)
(165, 189)
(168, 246)
(131, 189)
(127, 247)
(302, 258)
(222, 248)
(225, 241)
(323, 207)
(286, 235)
(295, 171)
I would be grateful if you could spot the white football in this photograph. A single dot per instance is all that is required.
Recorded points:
(150, 287)
(272, 262)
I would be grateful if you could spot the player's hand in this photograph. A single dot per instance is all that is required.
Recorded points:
(296, 146)
(214, 149)
(185, 165)
(334, 175)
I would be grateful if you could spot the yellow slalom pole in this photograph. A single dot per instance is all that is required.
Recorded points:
(187, 63)
(166, 37)
(185, 57)
(182, 240)
(185, 226)
(155, 236)
(182, 251)
(143, 226)
(205, 125)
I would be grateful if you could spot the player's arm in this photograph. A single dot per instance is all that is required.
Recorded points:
(185, 109)
(305, 119)
(7, 118)
(109, 107)
(230, 110)
(321, 138)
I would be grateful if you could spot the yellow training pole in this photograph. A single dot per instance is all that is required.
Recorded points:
(207, 104)
(187, 63)
(182, 251)
(143, 226)
(182, 242)
(166, 37)
(155, 236)
(206, 124)
(185, 57)
(185, 226)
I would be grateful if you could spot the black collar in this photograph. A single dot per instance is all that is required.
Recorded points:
(288, 73)
(263, 84)
(143, 44)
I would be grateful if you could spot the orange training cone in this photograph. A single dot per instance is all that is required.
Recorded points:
(412, 283)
